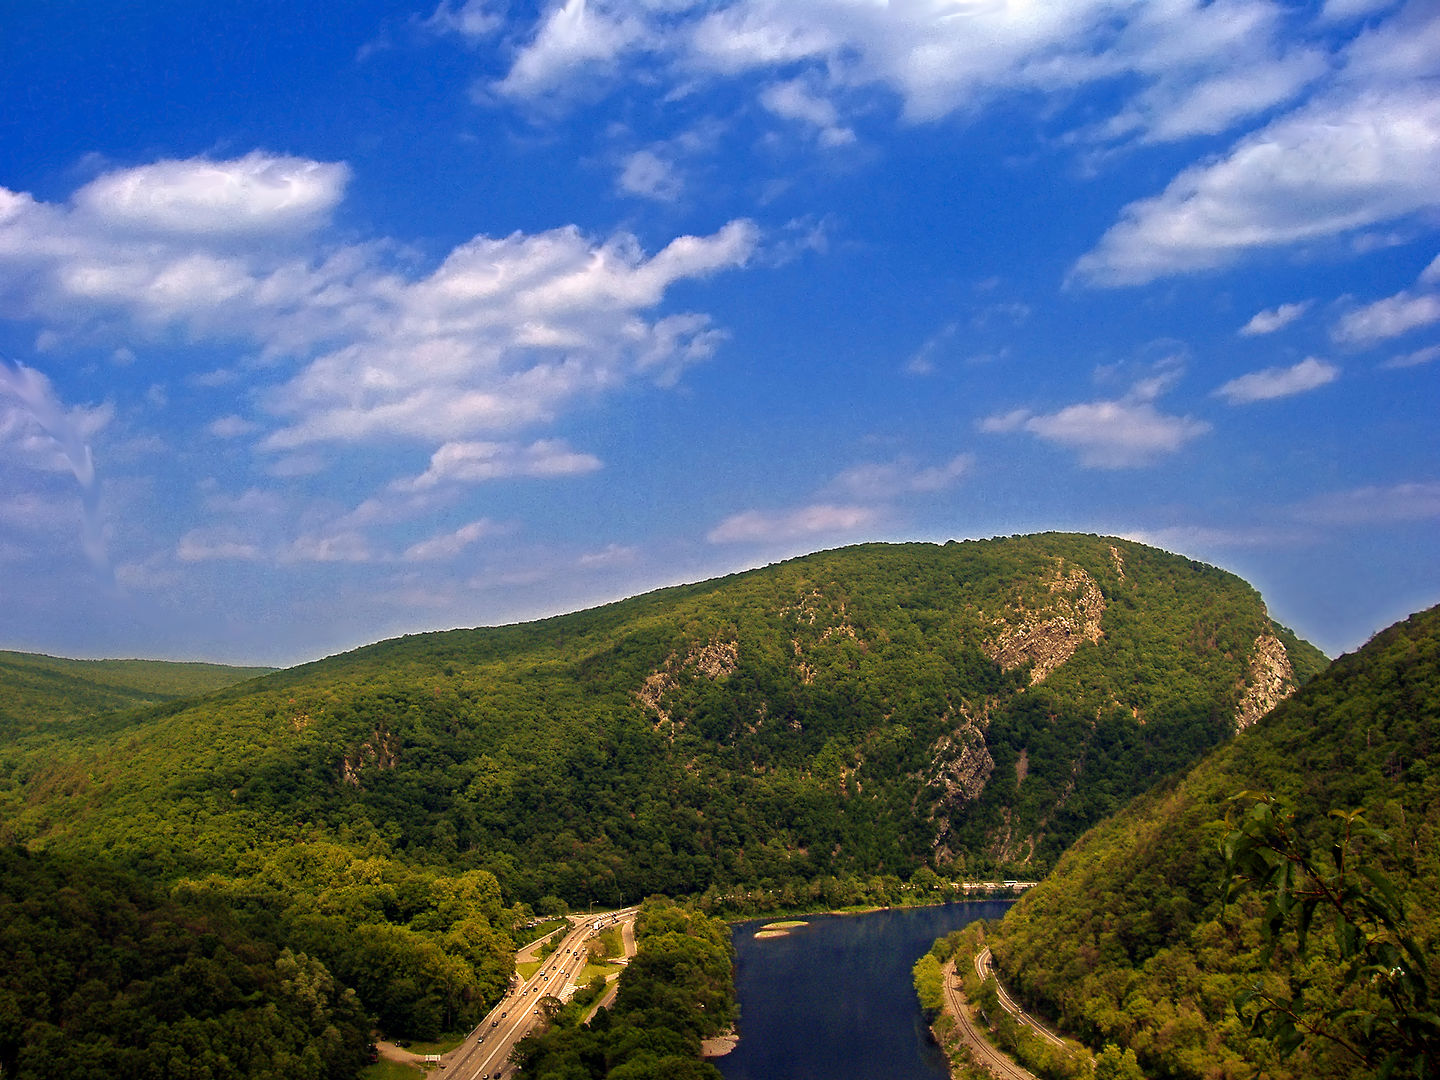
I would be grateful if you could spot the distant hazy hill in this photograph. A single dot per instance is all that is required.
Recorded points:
(1126, 941)
(862, 711)
(41, 688)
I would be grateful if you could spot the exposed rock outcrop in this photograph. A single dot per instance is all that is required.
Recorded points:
(1047, 636)
(1269, 681)
(712, 661)
(380, 751)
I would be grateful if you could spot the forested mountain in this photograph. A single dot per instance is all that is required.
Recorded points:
(818, 730)
(36, 688)
(1128, 941)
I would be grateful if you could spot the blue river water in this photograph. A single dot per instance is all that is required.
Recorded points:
(834, 1000)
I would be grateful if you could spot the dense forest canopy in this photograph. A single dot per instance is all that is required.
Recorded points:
(1128, 941)
(817, 731)
(36, 689)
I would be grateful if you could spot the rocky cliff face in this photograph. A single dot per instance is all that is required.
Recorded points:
(1047, 635)
(1270, 680)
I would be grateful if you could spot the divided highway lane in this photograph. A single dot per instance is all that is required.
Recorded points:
(485, 1053)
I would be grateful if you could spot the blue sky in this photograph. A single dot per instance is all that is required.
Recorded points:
(321, 323)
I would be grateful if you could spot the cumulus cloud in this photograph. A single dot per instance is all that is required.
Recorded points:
(1111, 434)
(1343, 162)
(1278, 382)
(504, 333)
(1273, 319)
(827, 519)
(257, 193)
(477, 462)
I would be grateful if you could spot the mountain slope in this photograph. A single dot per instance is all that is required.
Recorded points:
(862, 711)
(36, 688)
(1127, 942)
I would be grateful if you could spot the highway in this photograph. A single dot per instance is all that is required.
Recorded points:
(485, 1053)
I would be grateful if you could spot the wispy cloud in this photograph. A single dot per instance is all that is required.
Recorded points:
(50, 435)
(1414, 359)
(448, 545)
(1388, 318)
(477, 462)
(1278, 382)
(806, 522)
(1267, 322)
(1378, 504)
(894, 479)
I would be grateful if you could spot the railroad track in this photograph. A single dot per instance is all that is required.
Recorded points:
(984, 968)
(986, 1053)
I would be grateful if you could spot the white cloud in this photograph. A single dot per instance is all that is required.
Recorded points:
(216, 545)
(1391, 317)
(1178, 108)
(1278, 382)
(1273, 319)
(647, 174)
(477, 462)
(472, 19)
(575, 42)
(756, 526)
(888, 480)
(922, 361)
(37, 430)
(1112, 434)
(609, 555)
(448, 545)
(503, 334)
(230, 427)
(1380, 504)
(1340, 163)
(1431, 274)
(1200, 66)
(797, 100)
(258, 193)
(1414, 359)
(335, 547)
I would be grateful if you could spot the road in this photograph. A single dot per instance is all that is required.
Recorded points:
(485, 1053)
(983, 1051)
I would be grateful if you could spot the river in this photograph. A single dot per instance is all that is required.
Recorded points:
(834, 1000)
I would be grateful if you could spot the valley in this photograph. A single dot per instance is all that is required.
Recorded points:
(870, 726)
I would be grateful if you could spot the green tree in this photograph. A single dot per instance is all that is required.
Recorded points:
(1385, 1017)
